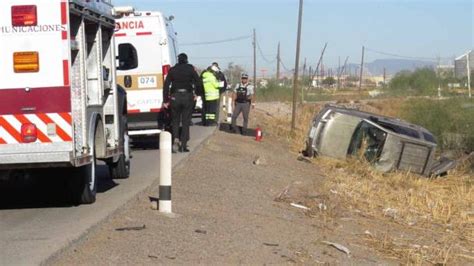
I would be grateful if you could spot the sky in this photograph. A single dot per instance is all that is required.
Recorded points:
(409, 28)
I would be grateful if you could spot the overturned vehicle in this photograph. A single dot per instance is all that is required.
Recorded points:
(389, 144)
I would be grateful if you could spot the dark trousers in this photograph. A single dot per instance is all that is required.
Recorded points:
(243, 108)
(181, 114)
(210, 111)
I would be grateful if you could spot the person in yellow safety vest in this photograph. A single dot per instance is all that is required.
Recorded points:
(211, 96)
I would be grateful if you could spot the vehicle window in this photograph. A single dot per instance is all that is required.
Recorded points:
(401, 130)
(429, 137)
(128, 56)
(367, 141)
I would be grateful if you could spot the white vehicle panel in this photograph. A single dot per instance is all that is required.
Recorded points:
(144, 100)
(45, 38)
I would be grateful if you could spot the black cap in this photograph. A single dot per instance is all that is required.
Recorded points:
(183, 58)
(215, 64)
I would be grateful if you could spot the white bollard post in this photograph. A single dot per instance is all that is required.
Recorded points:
(229, 109)
(164, 203)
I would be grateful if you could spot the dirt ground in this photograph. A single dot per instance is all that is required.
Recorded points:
(234, 202)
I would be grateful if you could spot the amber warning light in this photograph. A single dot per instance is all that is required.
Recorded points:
(26, 62)
(24, 15)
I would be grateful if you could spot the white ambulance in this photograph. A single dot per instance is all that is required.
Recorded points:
(154, 41)
(59, 103)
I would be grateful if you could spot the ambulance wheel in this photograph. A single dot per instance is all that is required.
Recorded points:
(121, 168)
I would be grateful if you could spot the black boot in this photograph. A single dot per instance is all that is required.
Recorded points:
(183, 148)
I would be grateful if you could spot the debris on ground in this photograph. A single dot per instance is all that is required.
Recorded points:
(322, 207)
(338, 247)
(390, 212)
(302, 158)
(271, 244)
(259, 160)
(300, 206)
(131, 228)
(283, 195)
(199, 231)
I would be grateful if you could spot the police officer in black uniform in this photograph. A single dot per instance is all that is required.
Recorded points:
(181, 86)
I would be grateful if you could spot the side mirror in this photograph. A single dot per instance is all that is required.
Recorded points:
(127, 57)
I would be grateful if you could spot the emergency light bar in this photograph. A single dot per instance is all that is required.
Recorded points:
(120, 10)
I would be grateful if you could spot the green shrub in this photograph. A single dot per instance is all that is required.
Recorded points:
(422, 81)
(275, 92)
(449, 120)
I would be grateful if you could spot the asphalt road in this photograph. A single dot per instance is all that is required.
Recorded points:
(35, 224)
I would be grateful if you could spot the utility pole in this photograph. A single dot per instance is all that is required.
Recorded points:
(302, 79)
(339, 74)
(384, 77)
(316, 71)
(361, 69)
(297, 63)
(304, 68)
(278, 63)
(343, 71)
(438, 72)
(255, 60)
(468, 68)
(310, 74)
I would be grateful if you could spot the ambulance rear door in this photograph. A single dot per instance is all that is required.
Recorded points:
(144, 84)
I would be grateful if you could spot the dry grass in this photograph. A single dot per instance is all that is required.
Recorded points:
(440, 208)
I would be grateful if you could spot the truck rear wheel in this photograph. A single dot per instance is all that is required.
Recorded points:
(83, 184)
(121, 168)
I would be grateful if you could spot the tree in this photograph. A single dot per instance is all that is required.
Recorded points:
(422, 81)
(329, 81)
(233, 73)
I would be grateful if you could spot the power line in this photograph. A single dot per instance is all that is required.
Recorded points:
(284, 67)
(263, 56)
(221, 57)
(400, 56)
(218, 41)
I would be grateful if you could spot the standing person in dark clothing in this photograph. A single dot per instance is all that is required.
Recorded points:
(181, 84)
(242, 97)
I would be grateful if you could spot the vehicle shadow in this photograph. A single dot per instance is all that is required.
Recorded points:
(145, 143)
(45, 190)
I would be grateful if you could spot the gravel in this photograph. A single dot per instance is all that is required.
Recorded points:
(225, 213)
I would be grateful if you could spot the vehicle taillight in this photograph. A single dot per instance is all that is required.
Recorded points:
(25, 62)
(29, 133)
(24, 15)
(166, 70)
